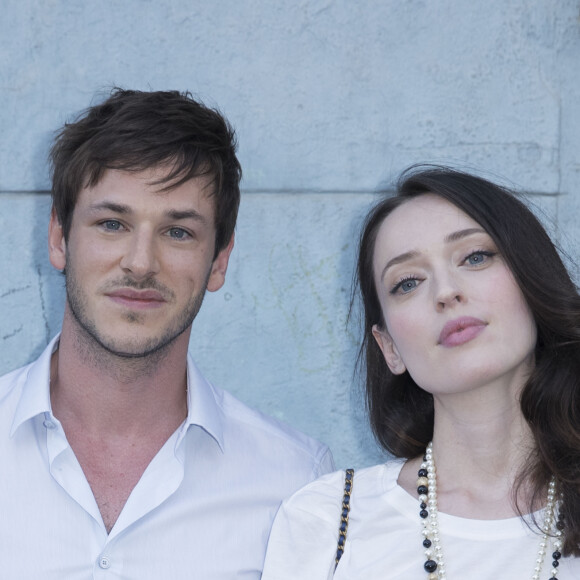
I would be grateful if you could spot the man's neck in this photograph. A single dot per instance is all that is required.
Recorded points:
(117, 412)
(111, 394)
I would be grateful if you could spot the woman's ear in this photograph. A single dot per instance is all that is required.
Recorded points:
(389, 350)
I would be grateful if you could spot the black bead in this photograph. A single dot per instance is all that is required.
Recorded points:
(422, 473)
(430, 566)
(422, 505)
(423, 513)
(426, 543)
(555, 564)
(422, 490)
(560, 524)
(556, 555)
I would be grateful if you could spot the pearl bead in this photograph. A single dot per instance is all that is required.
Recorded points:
(430, 531)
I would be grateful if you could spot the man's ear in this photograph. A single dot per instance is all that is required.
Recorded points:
(217, 276)
(56, 242)
(389, 350)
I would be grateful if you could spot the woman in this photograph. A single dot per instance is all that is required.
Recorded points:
(472, 350)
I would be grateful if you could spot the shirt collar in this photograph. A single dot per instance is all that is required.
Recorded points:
(35, 395)
(203, 408)
(204, 404)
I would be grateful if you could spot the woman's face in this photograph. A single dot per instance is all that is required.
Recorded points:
(454, 316)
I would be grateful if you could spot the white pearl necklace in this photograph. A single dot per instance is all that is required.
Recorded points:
(435, 564)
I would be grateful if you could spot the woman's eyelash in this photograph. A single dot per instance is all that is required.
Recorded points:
(484, 253)
(410, 282)
(401, 284)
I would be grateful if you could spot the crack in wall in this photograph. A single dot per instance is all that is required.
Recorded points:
(14, 290)
(13, 333)
(43, 304)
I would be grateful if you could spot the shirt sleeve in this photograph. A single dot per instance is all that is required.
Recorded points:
(304, 536)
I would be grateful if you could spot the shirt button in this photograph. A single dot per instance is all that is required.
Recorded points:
(104, 562)
(48, 424)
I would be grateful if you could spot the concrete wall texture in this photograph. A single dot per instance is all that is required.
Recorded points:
(331, 100)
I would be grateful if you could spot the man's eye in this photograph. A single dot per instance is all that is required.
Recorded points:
(112, 225)
(178, 234)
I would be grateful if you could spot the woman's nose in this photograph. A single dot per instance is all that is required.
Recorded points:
(448, 291)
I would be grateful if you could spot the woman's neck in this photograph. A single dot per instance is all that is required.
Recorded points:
(479, 448)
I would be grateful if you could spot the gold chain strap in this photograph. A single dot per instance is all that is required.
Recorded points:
(343, 527)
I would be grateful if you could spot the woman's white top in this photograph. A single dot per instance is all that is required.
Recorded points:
(384, 539)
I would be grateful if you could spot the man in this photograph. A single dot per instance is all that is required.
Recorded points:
(120, 461)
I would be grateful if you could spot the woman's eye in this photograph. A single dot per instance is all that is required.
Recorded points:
(477, 258)
(405, 286)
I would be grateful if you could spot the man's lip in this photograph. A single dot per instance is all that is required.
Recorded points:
(129, 295)
(461, 330)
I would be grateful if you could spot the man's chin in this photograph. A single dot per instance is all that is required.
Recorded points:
(133, 349)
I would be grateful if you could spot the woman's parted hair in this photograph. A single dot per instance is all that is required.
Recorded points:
(137, 130)
(401, 413)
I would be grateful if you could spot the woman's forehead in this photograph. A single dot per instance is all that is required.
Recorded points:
(422, 219)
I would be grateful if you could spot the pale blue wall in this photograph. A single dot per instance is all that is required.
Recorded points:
(331, 99)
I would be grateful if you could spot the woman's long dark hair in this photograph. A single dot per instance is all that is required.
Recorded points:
(401, 413)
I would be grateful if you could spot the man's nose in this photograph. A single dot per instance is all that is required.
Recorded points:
(140, 257)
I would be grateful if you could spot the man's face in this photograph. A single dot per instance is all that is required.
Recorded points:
(138, 261)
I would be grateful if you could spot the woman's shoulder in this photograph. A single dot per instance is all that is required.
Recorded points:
(323, 497)
(304, 537)
(379, 478)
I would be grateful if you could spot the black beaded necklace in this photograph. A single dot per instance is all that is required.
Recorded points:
(435, 563)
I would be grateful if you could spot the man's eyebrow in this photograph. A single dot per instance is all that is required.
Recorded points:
(173, 214)
(453, 237)
(185, 214)
(110, 206)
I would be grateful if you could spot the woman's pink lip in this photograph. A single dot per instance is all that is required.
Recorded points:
(461, 330)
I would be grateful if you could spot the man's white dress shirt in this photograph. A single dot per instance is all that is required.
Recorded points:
(202, 509)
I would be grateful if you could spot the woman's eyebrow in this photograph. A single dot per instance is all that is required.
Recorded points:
(399, 260)
(460, 234)
(452, 237)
